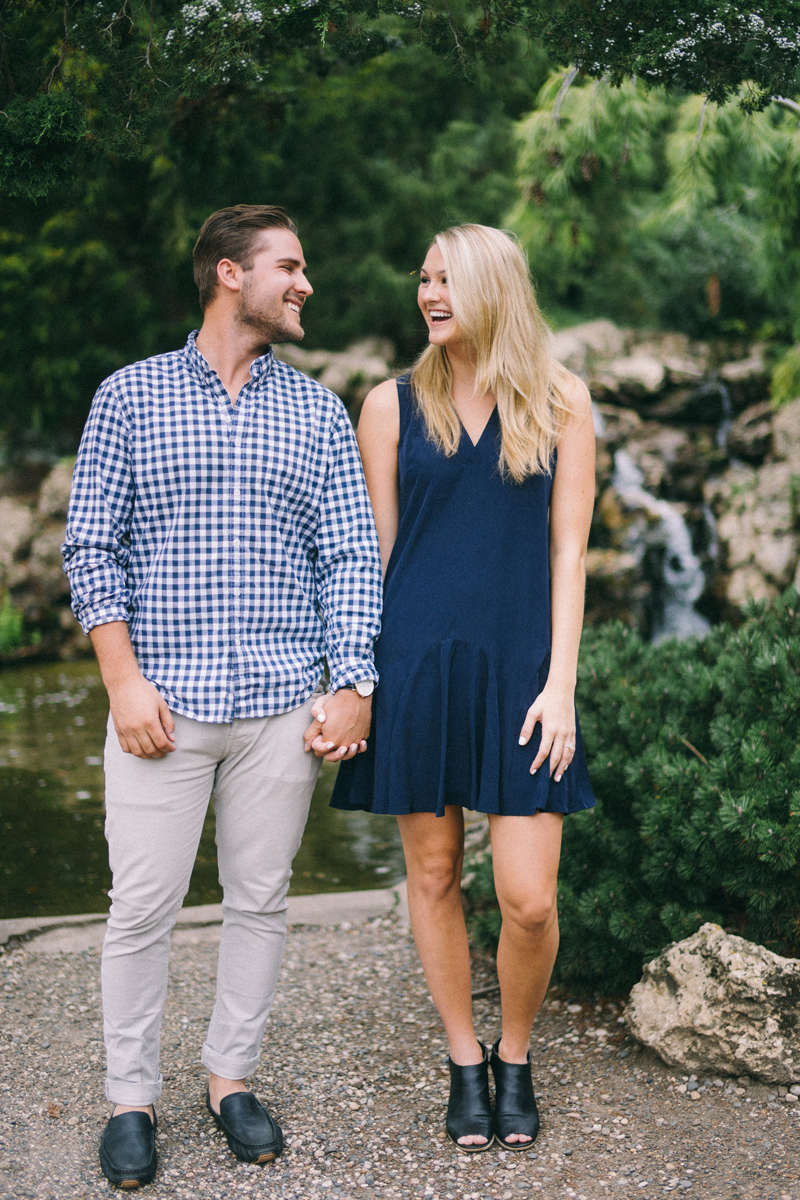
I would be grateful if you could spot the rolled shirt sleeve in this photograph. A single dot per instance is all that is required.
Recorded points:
(97, 546)
(348, 572)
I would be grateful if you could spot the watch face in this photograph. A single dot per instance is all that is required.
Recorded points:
(365, 687)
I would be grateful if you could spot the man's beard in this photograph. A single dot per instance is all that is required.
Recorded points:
(270, 329)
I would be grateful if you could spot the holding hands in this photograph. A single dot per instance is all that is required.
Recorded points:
(340, 727)
(555, 710)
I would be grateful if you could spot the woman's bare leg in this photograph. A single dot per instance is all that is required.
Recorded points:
(525, 857)
(434, 851)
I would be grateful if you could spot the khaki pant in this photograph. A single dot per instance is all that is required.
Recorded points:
(262, 783)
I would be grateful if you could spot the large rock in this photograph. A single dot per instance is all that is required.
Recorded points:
(54, 492)
(350, 373)
(17, 527)
(786, 435)
(580, 345)
(719, 1004)
(756, 525)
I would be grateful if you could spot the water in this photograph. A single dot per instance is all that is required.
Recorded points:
(53, 855)
(683, 579)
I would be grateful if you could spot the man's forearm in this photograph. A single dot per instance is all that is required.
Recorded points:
(112, 645)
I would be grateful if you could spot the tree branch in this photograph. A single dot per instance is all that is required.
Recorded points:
(562, 91)
(790, 105)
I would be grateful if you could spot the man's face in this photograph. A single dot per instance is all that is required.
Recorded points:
(275, 288)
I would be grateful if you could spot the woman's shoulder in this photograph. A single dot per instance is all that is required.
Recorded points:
(576, 395)
(380, 413)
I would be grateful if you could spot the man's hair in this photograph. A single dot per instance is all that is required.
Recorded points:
(232, 233)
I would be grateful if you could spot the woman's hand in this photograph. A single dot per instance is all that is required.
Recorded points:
(556, 713)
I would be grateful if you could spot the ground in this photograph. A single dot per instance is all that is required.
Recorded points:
(354, 1068)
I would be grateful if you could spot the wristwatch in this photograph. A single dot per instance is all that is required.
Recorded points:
(364, 687)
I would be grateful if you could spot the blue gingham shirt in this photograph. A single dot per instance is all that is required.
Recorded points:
(237, 541)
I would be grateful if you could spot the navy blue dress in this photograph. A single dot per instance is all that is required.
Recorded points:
(464, 648)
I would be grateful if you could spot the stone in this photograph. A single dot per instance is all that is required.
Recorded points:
(55, 490)
(349, 373)
(577, 346)
(715, 1002)
(614, 424)
(747, 379)
(17, 525)
(750, 436)
(756, 527)
(613, 585)
(47, 565)
(786, 435)
(636, 375)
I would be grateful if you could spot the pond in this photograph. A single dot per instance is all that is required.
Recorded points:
(53, 854)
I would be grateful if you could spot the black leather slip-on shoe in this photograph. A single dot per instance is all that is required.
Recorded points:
(514, 1102)
(469, 1110)
(253, 1135)
(128, 1150)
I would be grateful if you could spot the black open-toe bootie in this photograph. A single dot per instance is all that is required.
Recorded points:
(469, 1110)
(514, 1102)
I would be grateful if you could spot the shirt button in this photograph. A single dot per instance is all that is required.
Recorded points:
(237, 491)
(237, 594)
(238, 641)
(236, 542)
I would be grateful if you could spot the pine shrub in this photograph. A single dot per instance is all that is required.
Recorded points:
(694, 754)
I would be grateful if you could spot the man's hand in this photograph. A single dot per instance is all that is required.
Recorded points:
(142, 719)
(141, 716)
(340, 727)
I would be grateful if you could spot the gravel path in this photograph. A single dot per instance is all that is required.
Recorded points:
(354, 1068)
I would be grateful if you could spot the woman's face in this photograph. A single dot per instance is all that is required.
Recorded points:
(433, 298)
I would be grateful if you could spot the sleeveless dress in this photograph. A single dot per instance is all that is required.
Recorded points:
(464, 647)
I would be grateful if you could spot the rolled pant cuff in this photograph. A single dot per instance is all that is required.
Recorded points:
(122, 1091)
(225, 1067)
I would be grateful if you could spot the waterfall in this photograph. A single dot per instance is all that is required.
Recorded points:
(683, 579)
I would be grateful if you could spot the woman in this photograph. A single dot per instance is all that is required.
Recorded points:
(479, 645)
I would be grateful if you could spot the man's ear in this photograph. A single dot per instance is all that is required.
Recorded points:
(229, 275)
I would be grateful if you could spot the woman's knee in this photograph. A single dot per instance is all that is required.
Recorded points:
(533, 914)
(435, 875)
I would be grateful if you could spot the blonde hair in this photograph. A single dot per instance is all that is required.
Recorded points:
(493, 302)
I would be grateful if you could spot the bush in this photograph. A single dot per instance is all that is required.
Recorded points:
(694, 754)
(11, 627)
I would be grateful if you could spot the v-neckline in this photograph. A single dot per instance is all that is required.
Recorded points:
(467, 435)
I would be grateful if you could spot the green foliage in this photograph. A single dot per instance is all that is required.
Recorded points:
(38, 142)
(699, 46)
(659, 209)
(11, 627)
(786, 378)
(102, 75)
(694, 755)
(370, 160)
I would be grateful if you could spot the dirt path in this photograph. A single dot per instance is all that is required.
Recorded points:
(354, 1067)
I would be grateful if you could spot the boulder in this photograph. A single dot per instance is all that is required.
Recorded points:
(722, 1005)
(637, 375)
(350, 373)
(750, 436)
(17, 527)
(54, 492)
(615, 590)
(579, 345)
(786, 435)
(759, 544)
(50, 583)
(747, 379)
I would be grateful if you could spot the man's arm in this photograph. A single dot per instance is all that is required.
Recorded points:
(350, 593)
(141, 717)
(96, 553)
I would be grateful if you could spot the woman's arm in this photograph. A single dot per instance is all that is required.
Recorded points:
(571, 507)
(378, 437)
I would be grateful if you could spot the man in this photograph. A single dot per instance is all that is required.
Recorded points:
(220, 545)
